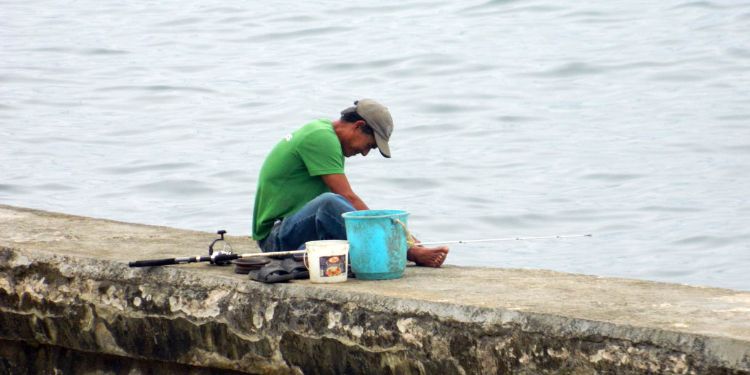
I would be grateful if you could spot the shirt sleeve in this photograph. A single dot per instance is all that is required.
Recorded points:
(321, 152)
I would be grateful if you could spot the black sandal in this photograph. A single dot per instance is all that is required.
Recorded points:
(271, 274)
(295, 268)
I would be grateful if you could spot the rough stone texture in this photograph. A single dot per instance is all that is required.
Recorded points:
(70, 304)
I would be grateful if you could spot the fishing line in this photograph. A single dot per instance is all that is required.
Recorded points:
(504, 239)
(411, 240)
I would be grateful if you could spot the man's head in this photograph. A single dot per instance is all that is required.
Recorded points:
(373, 126)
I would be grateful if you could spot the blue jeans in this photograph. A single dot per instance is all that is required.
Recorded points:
(319, 219)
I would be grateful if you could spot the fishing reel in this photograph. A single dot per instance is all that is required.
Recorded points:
(226, 249)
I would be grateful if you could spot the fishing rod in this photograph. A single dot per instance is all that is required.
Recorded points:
(217, 257)
(225, 255)
(503, 239)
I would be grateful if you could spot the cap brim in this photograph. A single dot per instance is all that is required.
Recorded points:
(382, 146)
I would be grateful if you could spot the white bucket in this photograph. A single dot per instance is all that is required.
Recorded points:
(327, 260)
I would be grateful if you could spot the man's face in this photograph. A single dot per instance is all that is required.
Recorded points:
(360, 142)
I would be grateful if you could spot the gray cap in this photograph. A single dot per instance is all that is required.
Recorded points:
(378, 118)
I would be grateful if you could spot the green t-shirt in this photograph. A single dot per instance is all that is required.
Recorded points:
(290, 176)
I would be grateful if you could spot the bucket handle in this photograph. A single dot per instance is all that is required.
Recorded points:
(410, 240)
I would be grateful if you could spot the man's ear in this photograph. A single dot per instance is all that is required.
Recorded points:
(360, 123)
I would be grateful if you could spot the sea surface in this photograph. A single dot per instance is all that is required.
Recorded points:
(629, 120)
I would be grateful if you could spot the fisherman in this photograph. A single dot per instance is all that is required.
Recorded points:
(303, 190)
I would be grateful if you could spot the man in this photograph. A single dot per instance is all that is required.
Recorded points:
(303, 190)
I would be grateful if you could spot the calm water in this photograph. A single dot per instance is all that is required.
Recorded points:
(629, 120)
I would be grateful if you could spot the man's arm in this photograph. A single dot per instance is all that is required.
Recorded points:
(339, 184)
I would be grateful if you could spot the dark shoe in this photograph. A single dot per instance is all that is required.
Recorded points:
(297, 269)
(271, 273)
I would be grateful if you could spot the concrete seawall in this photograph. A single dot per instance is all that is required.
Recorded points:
(70, 304)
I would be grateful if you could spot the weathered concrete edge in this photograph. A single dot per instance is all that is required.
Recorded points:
(720, 351)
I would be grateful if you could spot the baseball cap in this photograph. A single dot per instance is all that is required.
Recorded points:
(378, 118)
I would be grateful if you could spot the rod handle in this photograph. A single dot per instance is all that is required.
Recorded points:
(153, 262)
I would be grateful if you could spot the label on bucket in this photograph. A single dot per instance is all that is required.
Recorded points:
(333, 265)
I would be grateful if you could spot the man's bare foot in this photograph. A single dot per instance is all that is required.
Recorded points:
(427, 256)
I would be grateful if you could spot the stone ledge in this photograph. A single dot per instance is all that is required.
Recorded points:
(66, 288)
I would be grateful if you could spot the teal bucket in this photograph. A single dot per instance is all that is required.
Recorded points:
(377, 243)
